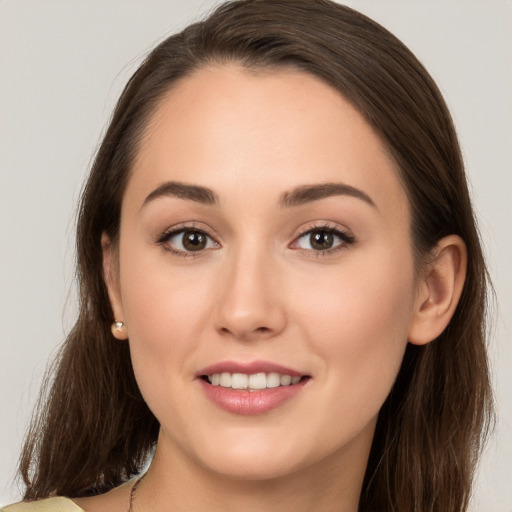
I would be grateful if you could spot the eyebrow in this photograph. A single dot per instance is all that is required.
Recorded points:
(296, 197)
(195, 193)
(307, 193)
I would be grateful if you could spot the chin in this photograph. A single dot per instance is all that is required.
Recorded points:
(258, 469)
(259, 458)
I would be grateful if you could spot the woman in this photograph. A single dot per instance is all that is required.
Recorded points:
(277, 231)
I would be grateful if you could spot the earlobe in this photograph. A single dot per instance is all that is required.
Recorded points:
(439, 290)
(111, 277)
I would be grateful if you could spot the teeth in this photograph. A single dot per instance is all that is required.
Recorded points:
(285, 380)
(239, 381)
(273, 380)
(252, 382)
(225, 380)
(258, 381)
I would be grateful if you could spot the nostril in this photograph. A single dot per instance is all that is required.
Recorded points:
(244, 332)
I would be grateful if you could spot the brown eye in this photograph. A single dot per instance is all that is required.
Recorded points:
(194, 240)
(188, 240)
(325, 240)
(321, 240)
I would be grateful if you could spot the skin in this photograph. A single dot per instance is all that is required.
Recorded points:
(259, 290)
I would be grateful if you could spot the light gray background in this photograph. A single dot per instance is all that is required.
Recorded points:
(63, 64)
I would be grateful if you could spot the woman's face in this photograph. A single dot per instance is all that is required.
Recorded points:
(264, 230)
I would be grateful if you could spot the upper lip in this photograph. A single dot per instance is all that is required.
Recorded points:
(249, 368)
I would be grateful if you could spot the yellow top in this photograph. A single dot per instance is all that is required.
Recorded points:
(57, 504)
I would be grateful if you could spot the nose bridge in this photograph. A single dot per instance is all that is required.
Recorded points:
(250, 305)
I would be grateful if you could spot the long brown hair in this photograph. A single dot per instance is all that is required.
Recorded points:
(93, 429)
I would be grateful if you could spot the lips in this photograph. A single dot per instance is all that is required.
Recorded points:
(249, 368)
(250, 388)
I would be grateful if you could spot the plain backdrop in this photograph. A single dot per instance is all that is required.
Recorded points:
(63, 64)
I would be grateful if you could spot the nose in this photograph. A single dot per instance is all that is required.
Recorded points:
(251, 302)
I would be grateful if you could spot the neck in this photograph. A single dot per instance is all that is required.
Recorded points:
(176, 482)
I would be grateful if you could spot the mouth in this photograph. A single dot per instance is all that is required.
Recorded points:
(251, 388)
(253, 382)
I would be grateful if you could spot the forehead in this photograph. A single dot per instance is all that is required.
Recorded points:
(238, 130)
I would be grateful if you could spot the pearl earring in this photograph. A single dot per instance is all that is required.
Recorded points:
(118, 329)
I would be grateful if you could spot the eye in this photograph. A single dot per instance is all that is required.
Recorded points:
(323, 240)
(184, 241)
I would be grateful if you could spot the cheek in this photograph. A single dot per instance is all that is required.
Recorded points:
(358, 320)
(155, 312)
(158, 295)
(165, 308)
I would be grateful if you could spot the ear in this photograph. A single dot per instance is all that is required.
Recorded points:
(439, 290)
(111, 276)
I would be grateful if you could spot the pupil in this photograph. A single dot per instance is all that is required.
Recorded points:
(321, 240)
(194, 241)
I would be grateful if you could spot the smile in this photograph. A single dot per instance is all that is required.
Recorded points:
(251, 388)
(253, 382)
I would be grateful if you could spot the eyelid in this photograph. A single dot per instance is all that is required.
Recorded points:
(172, 231)
(341, 232)
(187, 226)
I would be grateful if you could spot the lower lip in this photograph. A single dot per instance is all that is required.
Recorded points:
(248, 403)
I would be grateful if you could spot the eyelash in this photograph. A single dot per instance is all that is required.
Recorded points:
(345, 237)
(167, 235)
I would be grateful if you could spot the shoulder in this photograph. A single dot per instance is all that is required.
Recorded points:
(57, 504)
